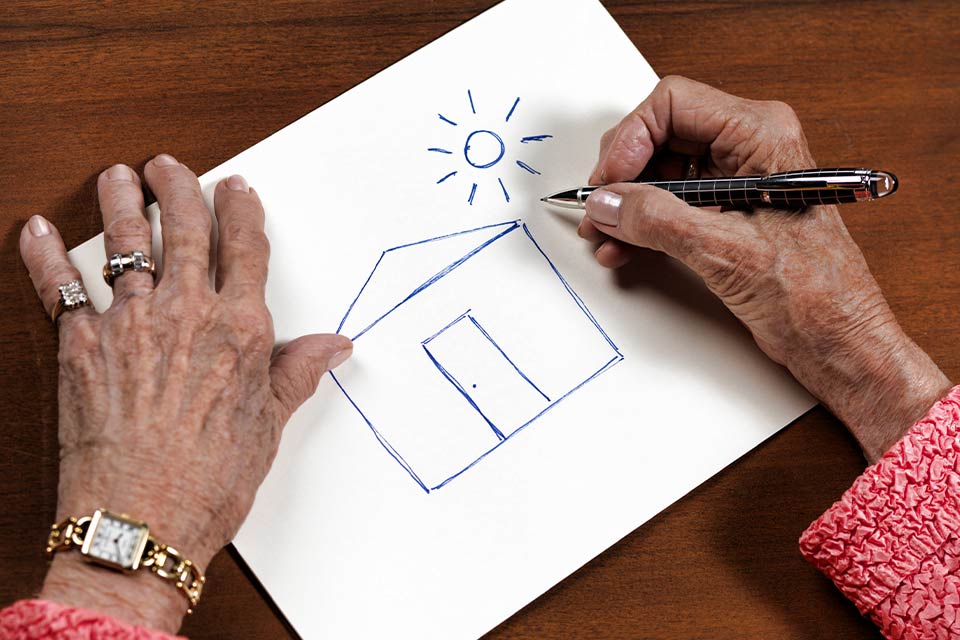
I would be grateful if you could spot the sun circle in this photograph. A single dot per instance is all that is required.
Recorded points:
(484, 146)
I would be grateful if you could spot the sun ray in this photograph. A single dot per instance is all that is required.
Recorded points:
(512, 109)
(483, 149)
(523, 165)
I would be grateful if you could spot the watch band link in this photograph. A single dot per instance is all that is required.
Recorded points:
(67, 534)
(170, 565)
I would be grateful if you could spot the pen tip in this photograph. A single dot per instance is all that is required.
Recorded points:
(543, 199)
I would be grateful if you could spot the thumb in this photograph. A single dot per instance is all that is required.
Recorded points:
(297, 367)
(656, 219)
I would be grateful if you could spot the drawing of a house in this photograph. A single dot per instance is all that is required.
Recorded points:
(463, 341)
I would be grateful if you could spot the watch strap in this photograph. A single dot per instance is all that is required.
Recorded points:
(67, 534)
(162, 560)
(168, 563)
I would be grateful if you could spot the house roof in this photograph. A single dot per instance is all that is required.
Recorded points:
(406, 270)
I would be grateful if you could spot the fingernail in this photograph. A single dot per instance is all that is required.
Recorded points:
(165, 160)
(121, 172)
(339, 358)
(39, 227)
(237, 183)
(604, 207)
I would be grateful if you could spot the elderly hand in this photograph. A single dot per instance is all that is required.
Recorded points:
(172, 401)
(796, 280)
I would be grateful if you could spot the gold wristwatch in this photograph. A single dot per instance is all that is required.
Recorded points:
(122, 543)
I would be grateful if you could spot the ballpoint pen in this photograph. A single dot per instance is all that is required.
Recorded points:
(786, 190)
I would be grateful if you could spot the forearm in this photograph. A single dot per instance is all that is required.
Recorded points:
(878, 382)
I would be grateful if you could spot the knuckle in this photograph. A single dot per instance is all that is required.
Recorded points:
(187, 304)
(636, 129)
(781, 110)
(629, 149)
(634, 222)
(607, 137)
(785, 119)
(128, 227)
(187, 204)
(48, 259)
(783, 145)
(134, 314)
(188, 318)
(254, 327)
(651, 222)
(245, 237)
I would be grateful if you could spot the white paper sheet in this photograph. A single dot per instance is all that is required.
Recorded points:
(512, 409)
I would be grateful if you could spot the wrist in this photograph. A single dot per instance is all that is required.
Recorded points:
(140, 597)
(137, 598)
(173, 523)
(878, 382)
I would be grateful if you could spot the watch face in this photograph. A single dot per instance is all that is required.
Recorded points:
(116, 541)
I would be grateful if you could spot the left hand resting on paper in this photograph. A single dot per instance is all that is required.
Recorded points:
(172, 401)
(797, 280)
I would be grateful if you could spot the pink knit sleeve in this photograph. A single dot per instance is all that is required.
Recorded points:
(43, 620)
(892, 542)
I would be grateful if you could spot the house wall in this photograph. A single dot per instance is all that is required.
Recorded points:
(510, 290)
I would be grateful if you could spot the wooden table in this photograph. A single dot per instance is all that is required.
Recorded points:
(875, 84)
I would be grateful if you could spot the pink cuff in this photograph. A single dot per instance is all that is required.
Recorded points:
(902, 515)
(41, 619)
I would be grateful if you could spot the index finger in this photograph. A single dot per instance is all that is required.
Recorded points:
(677, 108)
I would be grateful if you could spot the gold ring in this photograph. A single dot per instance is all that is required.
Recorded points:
(72, 296)
(693, 168)
(120, 263)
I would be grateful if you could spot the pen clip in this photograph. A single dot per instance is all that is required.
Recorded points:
(857, 180)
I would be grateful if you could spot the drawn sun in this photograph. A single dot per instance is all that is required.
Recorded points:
(484, 150)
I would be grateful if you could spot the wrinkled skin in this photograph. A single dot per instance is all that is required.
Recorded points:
(796, 280)
(172, 401)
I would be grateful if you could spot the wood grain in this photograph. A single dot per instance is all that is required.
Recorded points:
(85, 85)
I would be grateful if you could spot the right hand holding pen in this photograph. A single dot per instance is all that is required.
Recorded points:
(797, 281)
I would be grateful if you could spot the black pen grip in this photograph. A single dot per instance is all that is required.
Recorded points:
(744, 192)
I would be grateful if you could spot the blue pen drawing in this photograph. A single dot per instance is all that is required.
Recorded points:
(448, 370)
(523, 165)
(484, 147)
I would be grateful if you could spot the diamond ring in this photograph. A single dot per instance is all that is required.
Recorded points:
(72, 296)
